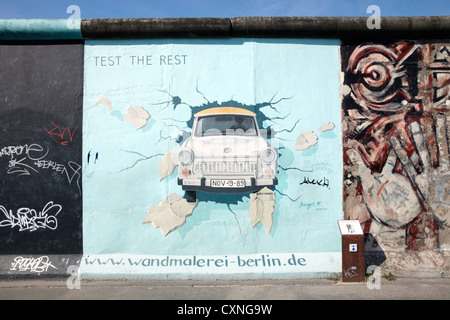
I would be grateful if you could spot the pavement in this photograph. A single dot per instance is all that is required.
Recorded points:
(224, 290)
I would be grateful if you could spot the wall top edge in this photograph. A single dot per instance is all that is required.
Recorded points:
(344, 28)
(40, 29)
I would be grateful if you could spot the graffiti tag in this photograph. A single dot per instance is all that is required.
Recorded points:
(40, 264)
(27, 219)
(27, 159)
(27, 150)
(60, 136)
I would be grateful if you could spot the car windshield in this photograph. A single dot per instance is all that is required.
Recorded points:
(226, 125)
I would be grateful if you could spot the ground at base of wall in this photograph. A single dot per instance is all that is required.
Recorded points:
(415, 264)
(420, 264)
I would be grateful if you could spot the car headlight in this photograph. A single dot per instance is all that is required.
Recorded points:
(268, 155)
(186, 156)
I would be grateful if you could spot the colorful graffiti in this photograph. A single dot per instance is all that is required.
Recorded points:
(395, 104)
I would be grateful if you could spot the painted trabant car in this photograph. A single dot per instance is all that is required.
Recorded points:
(226, 153)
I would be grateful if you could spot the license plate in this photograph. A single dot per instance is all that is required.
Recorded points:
(228, 183)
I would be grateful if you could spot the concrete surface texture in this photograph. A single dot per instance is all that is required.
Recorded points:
(316, 27)
(295, 289)
(319, 27)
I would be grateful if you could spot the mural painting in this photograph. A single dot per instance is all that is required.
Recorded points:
(212, 148)
(395, 102)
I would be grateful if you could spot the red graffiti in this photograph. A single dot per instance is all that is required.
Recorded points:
(63, 137)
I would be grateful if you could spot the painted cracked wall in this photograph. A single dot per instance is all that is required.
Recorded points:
(139, 101)
(396, 100)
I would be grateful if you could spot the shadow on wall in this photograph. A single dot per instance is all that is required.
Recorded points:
(373, 254)
(396, 124)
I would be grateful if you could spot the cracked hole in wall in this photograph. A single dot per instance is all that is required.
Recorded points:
(262, 204)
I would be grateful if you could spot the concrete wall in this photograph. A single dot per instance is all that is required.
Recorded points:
(91, 128)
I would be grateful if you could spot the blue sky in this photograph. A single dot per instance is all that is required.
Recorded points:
(56, 9)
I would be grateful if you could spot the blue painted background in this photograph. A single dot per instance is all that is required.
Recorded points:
(294, 83)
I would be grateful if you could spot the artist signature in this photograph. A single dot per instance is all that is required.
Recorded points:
(318, 205)
(324, 182)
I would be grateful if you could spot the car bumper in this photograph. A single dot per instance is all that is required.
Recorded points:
(204, 184)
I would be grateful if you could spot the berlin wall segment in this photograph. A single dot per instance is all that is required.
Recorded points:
(128, 112)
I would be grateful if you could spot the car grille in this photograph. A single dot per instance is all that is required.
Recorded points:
(226, 167)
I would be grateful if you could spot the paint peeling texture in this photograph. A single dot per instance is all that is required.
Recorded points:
(262, 206)
(167, 165)
(137, 116)
(105, 101)
(327, 126)
(306, 140)
(170, 213)
(396, 142)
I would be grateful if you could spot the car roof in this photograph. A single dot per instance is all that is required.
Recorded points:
(224, 110)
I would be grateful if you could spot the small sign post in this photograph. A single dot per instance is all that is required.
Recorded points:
(353, 261)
